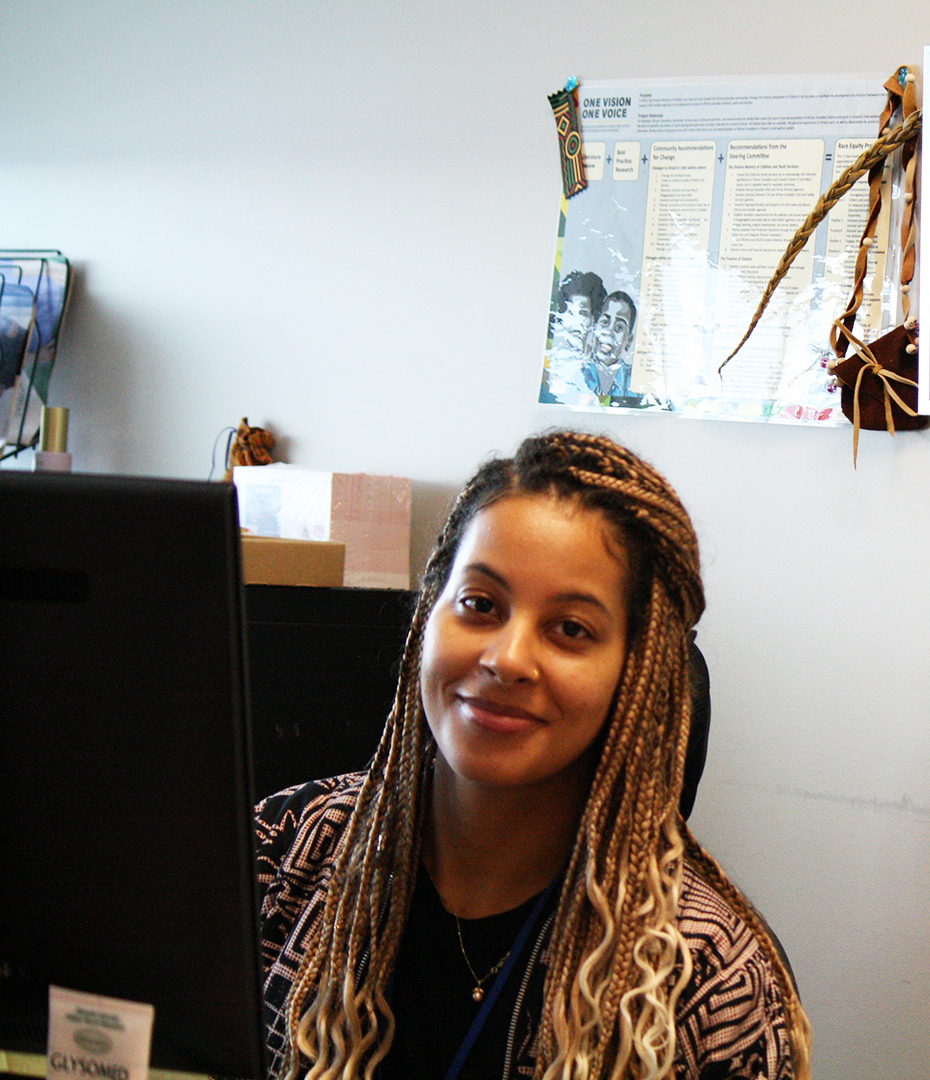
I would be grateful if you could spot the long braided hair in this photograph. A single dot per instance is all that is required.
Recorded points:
(618, 961)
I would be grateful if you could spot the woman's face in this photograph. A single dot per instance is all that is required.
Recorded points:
(523, 650)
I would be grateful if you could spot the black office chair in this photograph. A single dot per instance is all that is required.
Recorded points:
(700, 726)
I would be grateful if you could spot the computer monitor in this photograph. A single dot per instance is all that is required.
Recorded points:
(126, 855)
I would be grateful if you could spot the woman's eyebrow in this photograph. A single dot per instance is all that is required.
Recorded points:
(483, 568)
(582, 598)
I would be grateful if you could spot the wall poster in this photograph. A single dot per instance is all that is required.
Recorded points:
(694, 190)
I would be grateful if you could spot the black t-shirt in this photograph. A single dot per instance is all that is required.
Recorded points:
(431, 992)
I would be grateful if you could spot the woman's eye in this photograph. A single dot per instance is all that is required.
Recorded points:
(572, 629)
(481, 605)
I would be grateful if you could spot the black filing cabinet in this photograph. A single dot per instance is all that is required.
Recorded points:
(323, 666)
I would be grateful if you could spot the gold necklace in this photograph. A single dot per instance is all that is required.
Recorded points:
(478, 993)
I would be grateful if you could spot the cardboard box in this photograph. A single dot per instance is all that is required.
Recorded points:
(369, 514)
(270, 560)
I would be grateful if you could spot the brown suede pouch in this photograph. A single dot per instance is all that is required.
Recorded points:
(890, 352)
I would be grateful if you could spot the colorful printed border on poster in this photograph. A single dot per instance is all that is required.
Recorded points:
(694, 190)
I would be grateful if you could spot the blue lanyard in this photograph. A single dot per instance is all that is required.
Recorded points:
(478, 1023)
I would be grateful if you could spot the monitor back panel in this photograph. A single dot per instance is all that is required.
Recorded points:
(126, 864)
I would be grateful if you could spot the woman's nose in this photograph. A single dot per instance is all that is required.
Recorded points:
(511, 655)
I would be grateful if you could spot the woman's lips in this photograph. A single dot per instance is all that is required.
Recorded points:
(498, 716)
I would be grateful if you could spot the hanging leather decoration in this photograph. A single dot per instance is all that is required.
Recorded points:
(879, 380)
(879, 384)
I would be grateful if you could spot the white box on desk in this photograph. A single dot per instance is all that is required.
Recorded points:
(369, 514)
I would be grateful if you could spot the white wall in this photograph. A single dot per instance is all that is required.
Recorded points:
(339, 221)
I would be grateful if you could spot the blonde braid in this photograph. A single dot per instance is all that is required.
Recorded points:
(618, 961)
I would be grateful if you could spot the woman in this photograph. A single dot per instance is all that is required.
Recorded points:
(510, 889)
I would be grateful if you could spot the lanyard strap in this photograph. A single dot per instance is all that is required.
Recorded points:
(478, 1023)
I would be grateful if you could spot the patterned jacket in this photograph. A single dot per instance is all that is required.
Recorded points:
(730, 1020)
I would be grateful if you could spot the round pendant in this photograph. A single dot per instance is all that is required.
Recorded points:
(477, 994)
